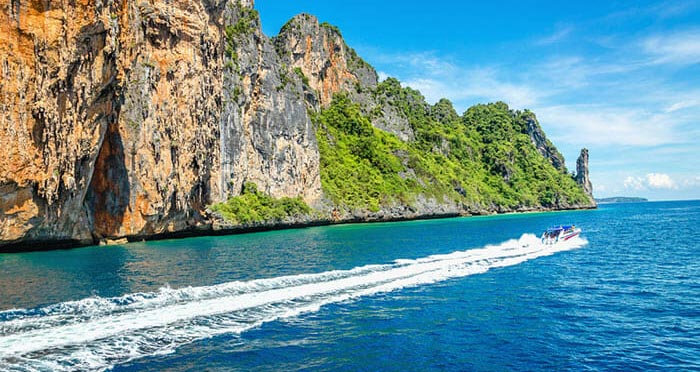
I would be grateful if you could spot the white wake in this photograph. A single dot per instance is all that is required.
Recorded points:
(97, 333)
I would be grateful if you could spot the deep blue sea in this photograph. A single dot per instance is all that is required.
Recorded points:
(460, 294)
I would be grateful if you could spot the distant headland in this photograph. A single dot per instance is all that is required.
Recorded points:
(620, 199)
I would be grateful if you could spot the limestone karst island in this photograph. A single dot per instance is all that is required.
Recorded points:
(318, 185)
(141, 120)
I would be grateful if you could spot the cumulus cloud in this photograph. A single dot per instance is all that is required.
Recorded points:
(425, 63)
(657, 181)
(478, 85)
(660, 181)
(634, 183)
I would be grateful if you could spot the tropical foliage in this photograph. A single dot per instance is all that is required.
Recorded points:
(254, 206)
(483, 158)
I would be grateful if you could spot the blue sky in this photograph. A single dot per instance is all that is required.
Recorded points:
(621, 78)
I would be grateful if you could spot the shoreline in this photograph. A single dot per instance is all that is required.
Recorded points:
(214, 229)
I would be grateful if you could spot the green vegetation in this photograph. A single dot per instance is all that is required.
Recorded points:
(355, 61)
(294, 23)
(359, 168)
(254, 206)
(133, 124)
(284, 77)
(331, 27)
(483, 159)
(245, 25)
(621, 199)
(237, 92)
(288, 26)
(300, 73)
(527, 178)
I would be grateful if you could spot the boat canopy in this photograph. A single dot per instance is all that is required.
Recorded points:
(559, 228)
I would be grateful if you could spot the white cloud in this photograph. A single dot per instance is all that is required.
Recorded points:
(658, 181)
(561, 33)
(670, 9)
(602, 125)
(692, 182)
(683, 105)
(438, 78)
(634, 183)
(480, 85)
(682, 47)
(574, 72)
(432, 89)
(656, 12)
(489, 84)
(426, 63)
(381, 75)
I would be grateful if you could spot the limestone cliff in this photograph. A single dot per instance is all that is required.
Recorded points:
(155, 170)
(582, 177)
(317, 52)
(543, 145)
(111, 111)
(266, 133)
(58, 94)
(321, 54)
(123, 119)
(128, 119)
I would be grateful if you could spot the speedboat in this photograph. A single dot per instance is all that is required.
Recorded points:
(560, 233)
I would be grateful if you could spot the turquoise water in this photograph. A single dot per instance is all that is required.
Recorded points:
(455, 294)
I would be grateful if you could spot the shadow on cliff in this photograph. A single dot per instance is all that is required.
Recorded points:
(108, 196)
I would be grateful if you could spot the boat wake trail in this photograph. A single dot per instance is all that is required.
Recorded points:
(97, 333)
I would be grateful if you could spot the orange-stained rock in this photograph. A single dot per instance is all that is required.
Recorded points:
(321, 54)
(57, 91)
(113, 119)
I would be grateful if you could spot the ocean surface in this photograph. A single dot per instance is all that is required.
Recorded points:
(460, 294)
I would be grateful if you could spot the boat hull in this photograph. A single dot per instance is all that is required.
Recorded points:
(560, 234)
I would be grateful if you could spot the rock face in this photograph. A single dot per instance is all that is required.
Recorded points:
(122, 119)
(58, 94)
(266, 131)
(317, 53)
(320, 53)
(155, 169)
(582, 173)
(542, 144)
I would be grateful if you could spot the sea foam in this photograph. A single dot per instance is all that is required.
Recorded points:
(96, 333)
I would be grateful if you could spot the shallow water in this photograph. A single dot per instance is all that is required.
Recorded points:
(456, 294)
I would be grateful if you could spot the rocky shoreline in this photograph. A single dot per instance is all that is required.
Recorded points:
(219, 227)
